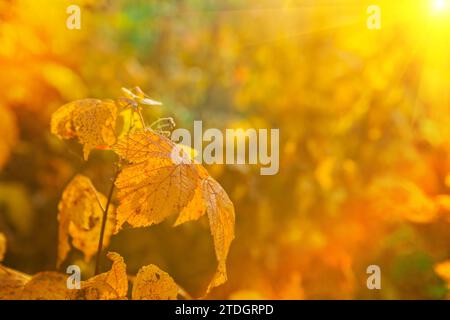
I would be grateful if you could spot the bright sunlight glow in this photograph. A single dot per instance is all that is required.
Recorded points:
(439, 5)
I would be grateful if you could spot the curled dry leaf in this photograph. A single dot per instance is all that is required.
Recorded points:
(153, 186)
(111, 285)
(2, 246)
(92, 121)
(80, 212)
(152, 283)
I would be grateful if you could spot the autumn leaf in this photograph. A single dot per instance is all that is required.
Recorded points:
(194, 210)
(12, 283)
(152, 283)
(210, 197)
(80, 213)
(111, 285)
(49, 285)
(92, 121)
(221, 217)
(2, 246)
(152, 186)
(46, 286)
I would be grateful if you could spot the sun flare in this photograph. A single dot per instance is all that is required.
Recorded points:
(439, 5)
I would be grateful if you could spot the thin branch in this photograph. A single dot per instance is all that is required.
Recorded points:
(97, 196)
(141, 117)
(104, 219)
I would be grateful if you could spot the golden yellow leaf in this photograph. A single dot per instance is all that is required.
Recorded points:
(12, 283)
(152, 186)
(194, 210)
(152, 283)
(111, 285)
(46, 286)
(210, 197)
(221, 217)
(141, 146)
(92, 121)
(80, 214)
(2, 246)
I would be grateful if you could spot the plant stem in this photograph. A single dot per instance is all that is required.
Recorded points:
(141, 117)
(104, 219)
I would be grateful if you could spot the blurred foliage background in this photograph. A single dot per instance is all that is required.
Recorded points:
(364, 123)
